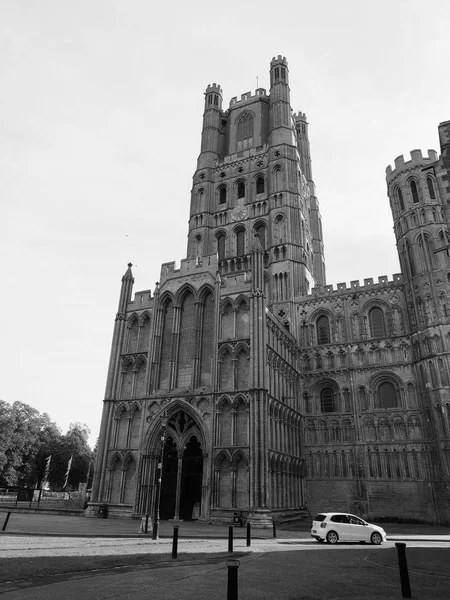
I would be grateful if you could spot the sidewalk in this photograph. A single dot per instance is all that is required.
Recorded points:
(75, 526)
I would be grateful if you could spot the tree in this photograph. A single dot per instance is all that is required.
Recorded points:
(28, 438)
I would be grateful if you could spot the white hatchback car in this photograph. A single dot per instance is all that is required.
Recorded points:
(343, 527)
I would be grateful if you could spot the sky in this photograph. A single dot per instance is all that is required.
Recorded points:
(100, 121)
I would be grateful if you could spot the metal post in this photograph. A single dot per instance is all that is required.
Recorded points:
(403, 567)
(232, 587)
(274, 526)
(6, 521)
(155, 535)
(230, 538)
(248, 534)
(147, 516)
(175, 542)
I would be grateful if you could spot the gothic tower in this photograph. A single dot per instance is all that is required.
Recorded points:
(416, 193)
(211, 357)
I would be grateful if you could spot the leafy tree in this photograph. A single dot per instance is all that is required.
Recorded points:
(28, 438)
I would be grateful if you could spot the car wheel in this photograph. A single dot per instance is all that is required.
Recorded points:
(332, 537)
(376, 538)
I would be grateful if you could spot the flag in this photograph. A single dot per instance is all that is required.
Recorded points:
(47, 468)
(69, 464)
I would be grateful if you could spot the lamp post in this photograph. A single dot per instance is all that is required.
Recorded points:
(155, 535)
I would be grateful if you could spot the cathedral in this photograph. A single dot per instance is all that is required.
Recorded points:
(243, 384)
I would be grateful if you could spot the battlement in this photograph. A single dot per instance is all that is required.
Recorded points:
(417, 159)
(300, 116)
(444, 134)
(259, 92)
(142, 299)
(213, 87)
(383, 280)
(280, 60)
(189, 266)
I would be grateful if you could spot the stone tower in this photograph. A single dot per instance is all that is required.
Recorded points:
(259, 388)
(418, 193)
(212, 353)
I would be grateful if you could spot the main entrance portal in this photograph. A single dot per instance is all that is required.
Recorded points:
(182, 469)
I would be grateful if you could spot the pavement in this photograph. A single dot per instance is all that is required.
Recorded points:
(42, 524)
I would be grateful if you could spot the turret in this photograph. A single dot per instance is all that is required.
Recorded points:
(212, 118)
(280, 120)
(421, 230)
(301, 127)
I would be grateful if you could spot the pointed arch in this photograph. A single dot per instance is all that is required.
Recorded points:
(144, 335)
(133, 333)
(165, 357)
(227, 319)
(226, 375)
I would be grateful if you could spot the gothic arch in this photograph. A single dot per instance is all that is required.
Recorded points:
(144, 317)
(224, 455)
(237, 456)
(120, 409)
(183, 292)
(113, 459)
(165, 298)
(129, 457)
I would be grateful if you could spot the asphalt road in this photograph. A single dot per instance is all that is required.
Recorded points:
(284, 570)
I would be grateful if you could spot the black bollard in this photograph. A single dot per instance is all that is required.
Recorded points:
(403, 566)
(230, 538)
(248, 534)
(6, 521)
(274, 525)
(175, 541)
(147, 516)
(232, 587)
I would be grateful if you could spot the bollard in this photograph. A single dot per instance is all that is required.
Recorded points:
(274, 525)
(230, 538)
(403, 567)
(248, 534)
(232, 587)
(6, 521)
(175, 541)
(146, 523)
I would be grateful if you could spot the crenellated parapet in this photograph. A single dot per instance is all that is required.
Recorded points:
(418, 160)
(260, 94)
(369, 285)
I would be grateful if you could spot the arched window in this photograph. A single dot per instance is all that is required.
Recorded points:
(387, 395)
(376, 322)
(327, 400)
(400, 199)
(245, 126)
(414, 193)
(221, 246)
(260, 185)
(323, 330)
(431, 188)
(240, 242)
(241, 189)
(260, 230)
(222, 194)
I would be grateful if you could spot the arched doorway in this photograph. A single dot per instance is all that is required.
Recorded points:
(191, 478)
(169, 479)
(182, 468)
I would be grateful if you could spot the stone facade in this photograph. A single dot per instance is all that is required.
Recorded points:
(264, 390)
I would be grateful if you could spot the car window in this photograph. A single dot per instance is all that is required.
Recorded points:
(320, 518)
(339, 519)
(355, 520)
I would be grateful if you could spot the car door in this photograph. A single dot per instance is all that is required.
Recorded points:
(356, 529)
(341, 524)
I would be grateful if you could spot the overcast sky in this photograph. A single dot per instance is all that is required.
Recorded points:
(100, 118)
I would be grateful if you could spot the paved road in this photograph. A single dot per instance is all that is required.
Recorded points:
(272, 571)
